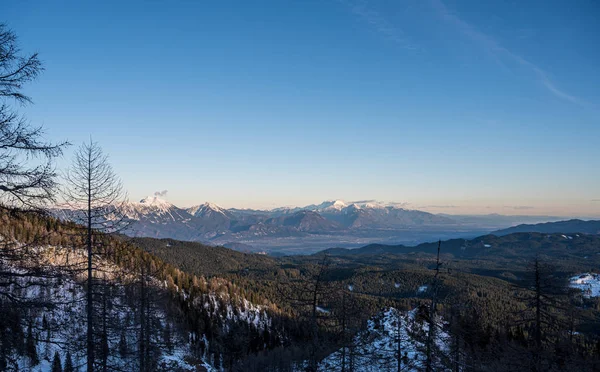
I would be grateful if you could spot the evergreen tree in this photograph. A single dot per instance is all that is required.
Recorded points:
(31, 347)
(123, 344)
(56, 364)
(68, 363)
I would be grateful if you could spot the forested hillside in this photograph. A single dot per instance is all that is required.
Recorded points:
(484, 290)
(144, 308)
(565, 227)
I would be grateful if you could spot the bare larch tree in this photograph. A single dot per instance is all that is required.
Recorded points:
(27, 175)
(27, 181)
(431, 332)
(93, 192)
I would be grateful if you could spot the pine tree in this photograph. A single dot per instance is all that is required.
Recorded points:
(431, 331)
(31, 348)
(167, 337)
(123, 345)
(68, 363)
(56, 365)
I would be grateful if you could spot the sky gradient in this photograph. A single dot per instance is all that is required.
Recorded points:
(450, 106)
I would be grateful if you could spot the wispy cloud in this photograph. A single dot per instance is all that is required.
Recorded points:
(498, 51)
(365, 201)
(379, 23)
(161, 194)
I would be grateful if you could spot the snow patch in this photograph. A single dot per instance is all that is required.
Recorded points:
(589, 283)
(375, 349)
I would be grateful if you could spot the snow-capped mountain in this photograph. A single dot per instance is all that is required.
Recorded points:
(207, 210)
(212, 219)
(375, 215)
(153, 208)
(155, 217)
(331, 205)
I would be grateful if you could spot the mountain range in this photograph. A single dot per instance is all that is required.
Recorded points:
(156, 217)
(159, 218)
(314, 226)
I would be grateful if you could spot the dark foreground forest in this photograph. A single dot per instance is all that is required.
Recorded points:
(165, 304)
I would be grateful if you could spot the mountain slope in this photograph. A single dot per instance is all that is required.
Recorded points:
(306, 221)
(566, 227)
(211, 219)
(180, 306)
(517, 245)
(158, 218)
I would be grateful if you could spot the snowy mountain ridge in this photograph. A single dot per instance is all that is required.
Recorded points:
(209, 223)
(205, 209)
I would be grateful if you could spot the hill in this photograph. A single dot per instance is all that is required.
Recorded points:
(202, 259)
(187, 317)
(236, 308)
(566, 227)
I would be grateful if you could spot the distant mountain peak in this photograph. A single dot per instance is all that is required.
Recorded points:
(338, 204)
(212, 206)
(151, 208)
(329, 205)
(207, 208)
(154, 200)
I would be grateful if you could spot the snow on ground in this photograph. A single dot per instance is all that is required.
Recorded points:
(243, 311)
(65, 321)
(375, 349)
(64, 318)
(322, 310)
(589, 283)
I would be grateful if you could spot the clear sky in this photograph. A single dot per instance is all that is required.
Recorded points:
(451, 106)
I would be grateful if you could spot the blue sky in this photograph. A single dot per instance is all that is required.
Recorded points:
(451, 106)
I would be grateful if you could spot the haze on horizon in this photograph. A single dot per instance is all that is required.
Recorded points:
(450, 107)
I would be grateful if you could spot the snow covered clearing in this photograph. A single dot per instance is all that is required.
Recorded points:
(589, 283)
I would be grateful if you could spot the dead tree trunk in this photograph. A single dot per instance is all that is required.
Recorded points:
(431, 318)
